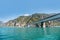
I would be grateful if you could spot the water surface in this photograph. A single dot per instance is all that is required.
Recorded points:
(10, 33)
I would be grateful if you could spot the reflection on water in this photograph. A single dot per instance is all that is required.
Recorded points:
(9, 33)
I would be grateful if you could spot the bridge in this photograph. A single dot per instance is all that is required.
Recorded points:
(42, 21)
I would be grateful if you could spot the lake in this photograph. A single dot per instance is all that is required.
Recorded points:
(10, 33)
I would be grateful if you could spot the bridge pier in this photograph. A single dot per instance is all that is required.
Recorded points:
(37, 25)
(43, 24)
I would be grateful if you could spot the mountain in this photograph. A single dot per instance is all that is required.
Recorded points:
(23, 20)
(1, 23)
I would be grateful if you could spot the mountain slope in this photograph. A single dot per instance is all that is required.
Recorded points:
(23, 20)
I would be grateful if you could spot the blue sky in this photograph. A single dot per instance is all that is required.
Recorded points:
(10, 9)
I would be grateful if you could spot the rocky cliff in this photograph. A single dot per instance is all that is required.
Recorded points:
(22, 20)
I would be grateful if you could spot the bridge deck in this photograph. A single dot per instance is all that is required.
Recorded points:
(53, 17)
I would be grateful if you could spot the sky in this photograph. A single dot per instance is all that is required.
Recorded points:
(11, 9)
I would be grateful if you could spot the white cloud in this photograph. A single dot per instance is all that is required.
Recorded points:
(26, 14)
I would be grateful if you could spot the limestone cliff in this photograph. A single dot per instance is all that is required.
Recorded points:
(21, 21)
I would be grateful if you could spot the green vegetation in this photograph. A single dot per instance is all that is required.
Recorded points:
(36, 17)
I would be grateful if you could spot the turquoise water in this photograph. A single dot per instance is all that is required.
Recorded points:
(9, 33)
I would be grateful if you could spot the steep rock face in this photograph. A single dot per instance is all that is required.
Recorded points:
(22, 20)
